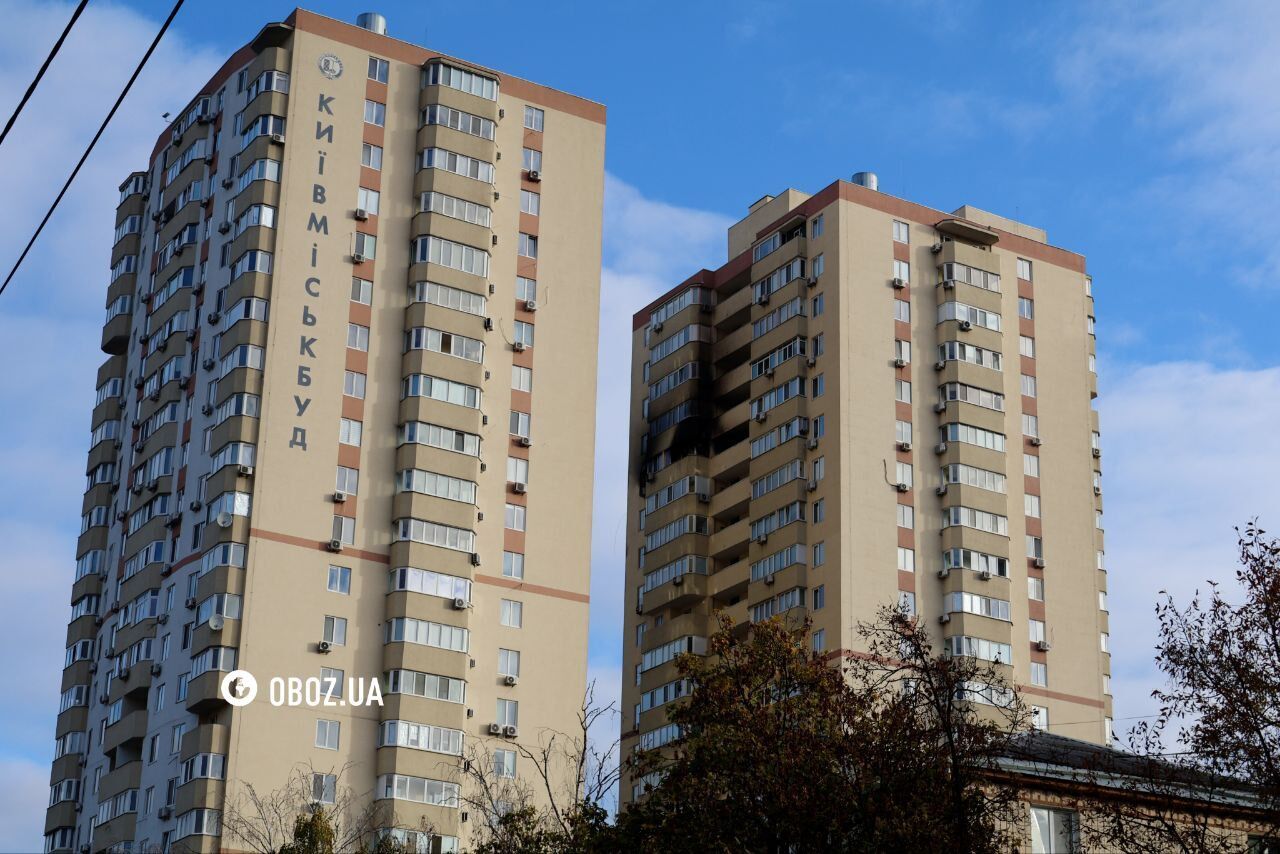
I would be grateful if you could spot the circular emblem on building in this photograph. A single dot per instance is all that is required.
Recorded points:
(238, 688)
(330, 66)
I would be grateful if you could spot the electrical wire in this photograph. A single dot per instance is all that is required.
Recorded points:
(74, 172)
(26, 96)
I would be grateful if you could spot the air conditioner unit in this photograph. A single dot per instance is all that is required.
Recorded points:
(811, 361)
(207, 409)
(97, 621)
(904, 446)
(656, 326)
(155, 395)
(761, 416)
(678, 581)
(488, 324)
(898, 284)
(948, 284)
(965, 325)
(899, 363)
(1097, 490)
(1039, 563)
(535, 175)
(984, 574)
(213, 317)
(245, 471)
(1043, 645)
(155, 670)
(763, 299)
(120, 516)
(519, 488)
(196, 505)
(334, 545)
(531, 305)
(104, 698)
(139, 382)
(174, 519)
(768, 372)
(940, 406)
(361, 214)
(162, 618)
(944, 619)
(509, 680)
(518, 347)
(940, 448)
(210, 363)
(204, 119)
(703, 497)
(1097, 452)
(813, 281)
(939, 365)
(124, 673)
(475, 558)
(524, 442)
(813, 444)
(191, 335)
(935, 248)
(277, 138)
(165, 812)
(495, 729)
(324, 646)
(224, 228)
(228, 183)
(93, 668)
(459, 604)
(706, 308)
(165, 572)
(162, 346)
(902, 487)
(944, 572)
(1037, 441)
(762, 539)
(191, 603)
(137, 488)
(153, 484)
(357, 258)
(941, 490)
(813, 485)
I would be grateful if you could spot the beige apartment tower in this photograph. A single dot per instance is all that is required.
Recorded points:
(344, 432)
(871, 403)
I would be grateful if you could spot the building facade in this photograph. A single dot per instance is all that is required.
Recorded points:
(872, 402)
(351, 344)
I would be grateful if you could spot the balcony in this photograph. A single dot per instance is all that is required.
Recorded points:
(731, 542)
(731, 501)
(115, 334)
(683, 591)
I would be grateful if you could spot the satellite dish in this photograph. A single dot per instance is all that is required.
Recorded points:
(224, 519)
(216, 622)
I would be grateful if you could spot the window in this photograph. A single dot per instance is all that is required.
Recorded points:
(1028, 386)
(508, 713)
(533, 118)
(904, 474)
(902, 350)
(532, 160)
(1035, 630)
(344, 529)
(528, 246)
(361, 291)
(378, 69)
(442, 74)
(371, 156)
(819, 597)
(358, 337)
(819, 554)
(1040, 718)
(517, 470)
(324, 788)
(820, 510)
(521, 378)
(519, 424)
(327, 734)
(902, 391)
(1031, 465)
(339, 579)
(335, 630)
(819, 385)
(353, 386)
(348, 480)
(515, 518)
(367, 200)
(375, 113)
(901, 232)
(349, 431)
(526, 288)
(1105, 641)
(509, 662)
(906, 559)
(1035, 547)
(523, 333)
(366, 245)
(1024, 269)
(1030, 425)
(819, 305)
(1026, 308)
(902, 310)
(513, 565)
(902, 270)
(906, 516)
(819, 640)
(902, 431)
(504, 764)
(817, 226)
(511, 613)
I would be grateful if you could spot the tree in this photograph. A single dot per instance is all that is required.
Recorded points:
(780, 751)
(1220, 708)
(556, 806)
(290, 819)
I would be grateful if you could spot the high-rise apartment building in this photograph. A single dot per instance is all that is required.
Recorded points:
(344, 432)
(871, 403)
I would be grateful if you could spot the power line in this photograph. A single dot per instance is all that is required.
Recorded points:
(74, 172)
(26, 96)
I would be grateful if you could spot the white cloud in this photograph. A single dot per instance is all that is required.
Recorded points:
(1201, 77)
(1189, 454)
(50, 322)
(649, 248)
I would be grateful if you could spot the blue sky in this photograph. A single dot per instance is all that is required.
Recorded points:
(1144, 138)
